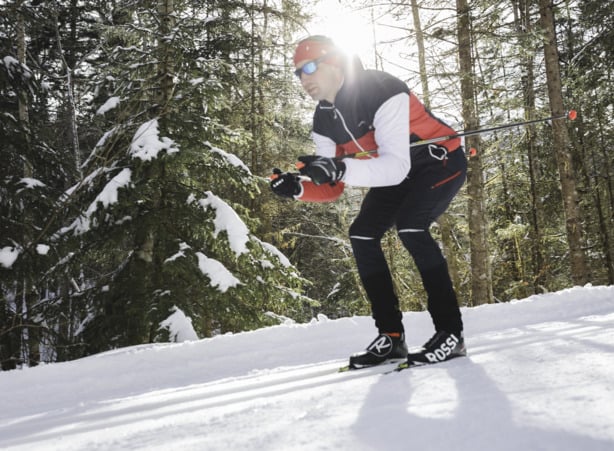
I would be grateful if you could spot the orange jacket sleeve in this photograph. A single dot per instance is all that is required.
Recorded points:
(320, 193)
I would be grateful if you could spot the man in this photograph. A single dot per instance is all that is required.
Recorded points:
(362, 128)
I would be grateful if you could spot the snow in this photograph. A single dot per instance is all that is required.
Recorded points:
(539, 376)
(86, 181)
(8, 255)
(146, 143)
(180, 254)
(227, 220)
(111, 103)
(42, 249)
(179, 326)
(12, 64)
(31, 183)
(220, 277)
(275, 252)
(109, 195)
(10, 61)
(232, 159)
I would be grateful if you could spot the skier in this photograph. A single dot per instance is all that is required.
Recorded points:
(362, 128)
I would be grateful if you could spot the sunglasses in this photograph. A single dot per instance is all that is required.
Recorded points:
(310, 67)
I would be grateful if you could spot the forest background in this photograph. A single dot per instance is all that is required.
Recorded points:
(137, 138)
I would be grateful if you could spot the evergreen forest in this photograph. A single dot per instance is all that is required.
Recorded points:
(137, 138)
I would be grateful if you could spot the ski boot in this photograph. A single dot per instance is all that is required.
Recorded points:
(386, 346)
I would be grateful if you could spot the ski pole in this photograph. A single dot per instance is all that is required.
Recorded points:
(363, 153)
(571, 115)
(299, 165)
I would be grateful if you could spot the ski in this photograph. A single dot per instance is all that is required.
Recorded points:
(384, 364)
(405, 365)
(413, 364)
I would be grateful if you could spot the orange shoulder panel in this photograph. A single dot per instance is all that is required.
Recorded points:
(424, 125)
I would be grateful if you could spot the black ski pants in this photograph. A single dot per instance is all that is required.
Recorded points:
(411, 206)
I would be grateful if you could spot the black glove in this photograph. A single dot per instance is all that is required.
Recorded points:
(285, 185)
(322, 169)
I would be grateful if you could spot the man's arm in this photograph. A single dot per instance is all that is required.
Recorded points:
(393, 163)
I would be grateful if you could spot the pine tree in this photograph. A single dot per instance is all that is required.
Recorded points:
(171, 240)
(26, 194)
(160, 220)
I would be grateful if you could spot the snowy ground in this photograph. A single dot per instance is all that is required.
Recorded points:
(539, 376)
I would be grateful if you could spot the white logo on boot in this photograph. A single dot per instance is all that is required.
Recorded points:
(380, 344)
(444, 350)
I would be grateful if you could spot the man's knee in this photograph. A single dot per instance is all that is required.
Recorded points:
(422, 247)
(362, 229)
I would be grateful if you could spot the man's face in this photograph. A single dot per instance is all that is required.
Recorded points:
(322, 84)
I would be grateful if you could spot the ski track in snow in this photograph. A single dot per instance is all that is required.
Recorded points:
(539, 376)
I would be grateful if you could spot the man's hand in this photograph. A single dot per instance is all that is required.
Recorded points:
(321, 169)
(285, 185)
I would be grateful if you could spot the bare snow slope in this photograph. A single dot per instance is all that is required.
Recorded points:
(539, 376)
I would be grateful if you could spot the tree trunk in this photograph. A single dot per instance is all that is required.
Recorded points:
(165, 52)
(444, 221)
(538, 261)
(146, 266)
(481, 280)
(70, 106)
(30, 351)
(253, 89)
(579, 269)
(421, 53)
